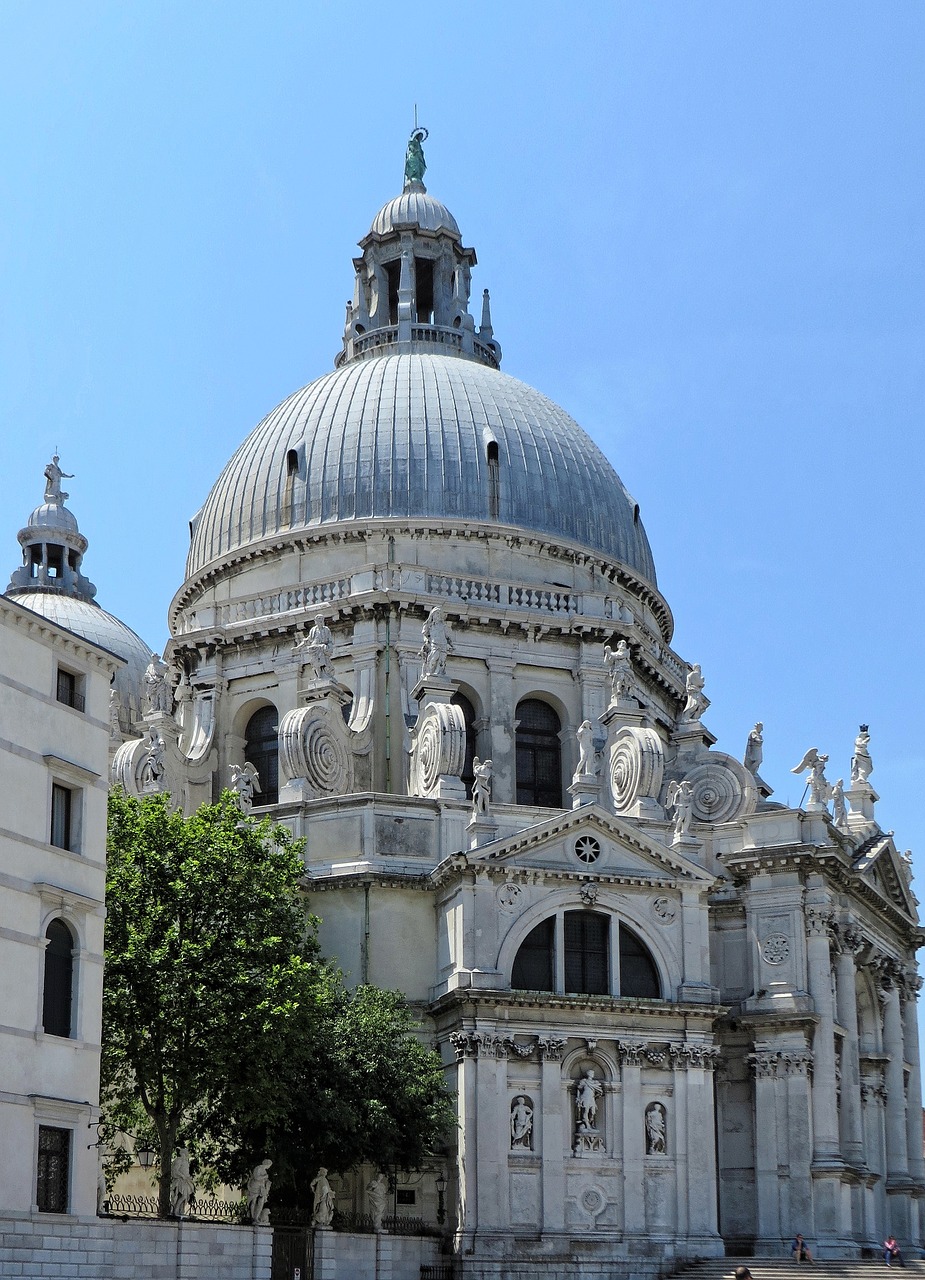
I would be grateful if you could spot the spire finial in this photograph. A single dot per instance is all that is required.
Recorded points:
(415, 164)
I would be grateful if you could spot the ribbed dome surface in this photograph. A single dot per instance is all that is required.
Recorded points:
(407, 436)
(414, 208)
(99, 627)
(52, 515)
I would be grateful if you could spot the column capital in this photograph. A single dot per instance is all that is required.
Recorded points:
(820, 921)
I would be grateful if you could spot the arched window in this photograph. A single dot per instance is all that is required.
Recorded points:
(587, 953)
(261, 749)
(570, 953)
(533, 965)
(57, 992)
(539, 755)
(468, 772)
(638, 974)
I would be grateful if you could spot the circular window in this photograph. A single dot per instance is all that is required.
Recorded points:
(587, 849)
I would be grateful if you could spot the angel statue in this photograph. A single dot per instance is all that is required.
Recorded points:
(696, 703)
(245, 780)
(681, 799)
(819, 788)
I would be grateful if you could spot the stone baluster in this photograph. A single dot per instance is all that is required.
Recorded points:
(914, 1097)
(846, 1000)
(826, 1138)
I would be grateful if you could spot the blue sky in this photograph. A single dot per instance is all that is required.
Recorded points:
(702, 227)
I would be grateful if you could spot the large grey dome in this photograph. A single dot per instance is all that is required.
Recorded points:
(88, 620)
(408, 435)
(414, 208)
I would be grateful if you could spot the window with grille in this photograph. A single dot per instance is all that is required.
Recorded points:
(587, 953)
(62, 816)
(534, 968)
(59, 980)
(52, 1177)
(539, 755)
(69, 689)
(261, 749)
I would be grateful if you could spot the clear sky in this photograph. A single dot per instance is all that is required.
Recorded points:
(702, 224)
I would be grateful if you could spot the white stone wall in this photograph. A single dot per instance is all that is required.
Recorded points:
(104, 1250)
(49, 1079)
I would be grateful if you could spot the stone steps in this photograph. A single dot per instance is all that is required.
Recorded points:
(786, 1269)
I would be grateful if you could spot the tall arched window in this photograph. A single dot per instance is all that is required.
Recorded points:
(539, 755)
(261, 749)
(57, 992)
(468, 772)
(570, 953)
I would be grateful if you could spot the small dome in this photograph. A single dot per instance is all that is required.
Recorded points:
(53, 515)
(92, 623)
(414, 208)
(404, 436)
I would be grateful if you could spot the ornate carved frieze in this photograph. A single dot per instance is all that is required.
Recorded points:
(819, 921)
(551, 1047)
(775, 949)
(779, 1063)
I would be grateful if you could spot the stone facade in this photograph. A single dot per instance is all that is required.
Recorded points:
(54, 757)
(422, 612)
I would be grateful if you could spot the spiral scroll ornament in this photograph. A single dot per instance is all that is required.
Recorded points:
(636, 766)
(721, 793)
(312, 748)
(440, 746)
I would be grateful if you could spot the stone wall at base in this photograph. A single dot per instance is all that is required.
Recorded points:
(344, 1255)
(110, 1250)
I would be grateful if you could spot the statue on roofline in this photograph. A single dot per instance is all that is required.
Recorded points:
(415, 164)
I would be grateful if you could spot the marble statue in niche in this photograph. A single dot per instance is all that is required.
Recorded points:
(656, 1130)
(522, 1123)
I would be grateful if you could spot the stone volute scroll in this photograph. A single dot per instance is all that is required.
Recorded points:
(636, 770)
(315, 756)
(438, 739)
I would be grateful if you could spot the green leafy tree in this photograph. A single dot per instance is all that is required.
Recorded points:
(223, 1028)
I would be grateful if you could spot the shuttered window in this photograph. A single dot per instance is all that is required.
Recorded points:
(539, 755)
(261, 749)
(587, 953)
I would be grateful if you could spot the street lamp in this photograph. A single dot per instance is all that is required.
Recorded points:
(144, 1154)
(441, 1198)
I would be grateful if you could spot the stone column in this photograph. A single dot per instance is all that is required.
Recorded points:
(700, 1190)
(764, 1063)
(634, 1152)
(503, 741)
(467, 1136)
(555, 1105)
(826, 1145)
(803, 1195)
(897, 1156)
(914, 1093)
(847, 1003)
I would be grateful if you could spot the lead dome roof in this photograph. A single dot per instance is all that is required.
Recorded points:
(407, 436)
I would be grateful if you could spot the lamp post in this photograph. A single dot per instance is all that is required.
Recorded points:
(441, 1198)
(144, 1154)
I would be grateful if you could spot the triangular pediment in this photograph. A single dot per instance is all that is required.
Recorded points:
(594, 841)
(881, 865)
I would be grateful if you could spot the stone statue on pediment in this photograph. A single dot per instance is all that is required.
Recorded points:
(158, 697)
(323, 1209)
(258, 1193)
(820, 789)
(619, 666)
(154, 765)
(182, 1187)
(839, 807)
(53, 477)
(481, 788)
(245, 780)
(315, 648)
(585, 738)
(861, 764)
(754, 749)
(695, 703)
(377, 1194)
(681, 798)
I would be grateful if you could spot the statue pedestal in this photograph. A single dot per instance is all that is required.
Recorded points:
(585, 789)
(861, 797)
(481, 831)
(686, 844)
(620, 713)
(586, 1141)
(325, 687)
(434, 689)
(690, 737)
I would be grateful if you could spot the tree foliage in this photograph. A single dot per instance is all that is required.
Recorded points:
(223, 1028)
